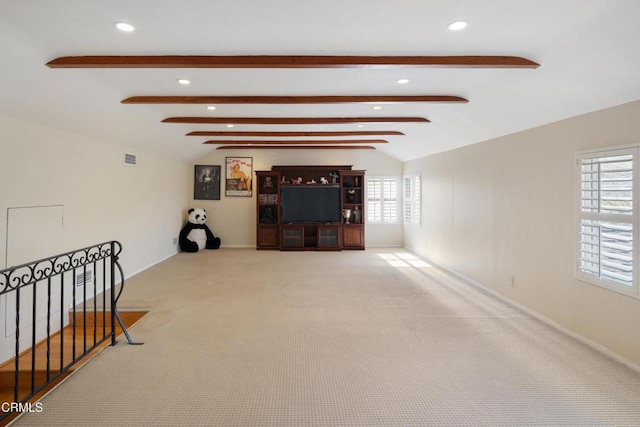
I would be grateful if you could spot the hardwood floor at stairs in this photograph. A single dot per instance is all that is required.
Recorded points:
(7, 369)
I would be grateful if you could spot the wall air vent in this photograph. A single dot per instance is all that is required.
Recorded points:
(130, 159)
(84, 278)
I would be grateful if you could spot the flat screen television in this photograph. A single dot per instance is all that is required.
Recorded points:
(306, 204)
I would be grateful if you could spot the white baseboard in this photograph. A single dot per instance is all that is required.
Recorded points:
(552, 323)
(151, 265)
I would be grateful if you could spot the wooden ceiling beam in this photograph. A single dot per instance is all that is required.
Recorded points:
(300, 142)
(290, 99)
(292, 120)
(291, 61)
(296, 147)
(295, 134)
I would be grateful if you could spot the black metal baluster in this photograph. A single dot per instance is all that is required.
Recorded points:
(61, 321)
(33, 337)
(16, 390)
(114, 307)
(113, 293)
(49, 329)
(104, 298)
(84, 309)
(95, 308)
(73, 347)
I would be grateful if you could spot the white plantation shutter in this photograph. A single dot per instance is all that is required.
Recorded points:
(412, 199)
(390, 200)
(382, 199)
(374, 196)
(607, 214)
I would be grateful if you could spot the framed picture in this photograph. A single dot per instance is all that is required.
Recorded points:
(206, 184)
(239, 171)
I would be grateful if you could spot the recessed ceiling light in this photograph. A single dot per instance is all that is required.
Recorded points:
(457, 25)
(360, 126)
(211, 107)
(124, 26)
(229, 126)
(377, 107)
(184, 81)
(402, 81)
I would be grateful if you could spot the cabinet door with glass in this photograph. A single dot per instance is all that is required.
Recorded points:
(329, 237)
(291, 236)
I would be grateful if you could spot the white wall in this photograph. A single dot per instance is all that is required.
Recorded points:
(103, 199)
(506, 207)
(233, 219)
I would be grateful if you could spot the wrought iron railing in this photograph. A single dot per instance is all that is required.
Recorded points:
(60, 298)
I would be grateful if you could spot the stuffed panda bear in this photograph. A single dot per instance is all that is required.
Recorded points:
(195, 234)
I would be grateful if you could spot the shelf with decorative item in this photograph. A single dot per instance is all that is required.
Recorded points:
(353, 196)
(267, 209)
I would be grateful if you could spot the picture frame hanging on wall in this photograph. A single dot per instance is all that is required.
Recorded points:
(206, 182)
(239, 171)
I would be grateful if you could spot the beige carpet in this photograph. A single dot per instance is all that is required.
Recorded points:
(239, 337)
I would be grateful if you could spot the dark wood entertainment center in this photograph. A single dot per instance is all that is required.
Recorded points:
(303, 208)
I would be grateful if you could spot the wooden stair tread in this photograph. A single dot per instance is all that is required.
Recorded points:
(128, 318)
(7, 369)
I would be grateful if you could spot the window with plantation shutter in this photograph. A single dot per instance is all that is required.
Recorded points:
(382, 200)
(412, 199)
(607, 219)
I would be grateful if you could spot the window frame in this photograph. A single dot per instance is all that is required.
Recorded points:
(634, 151)
(413, 198)
(381, 201)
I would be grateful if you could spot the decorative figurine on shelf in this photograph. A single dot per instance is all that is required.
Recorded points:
(357, 215)
(346, 213)
(283, 180)
(267, 182)
(334, 177)
(351, 194)
(313, 181)
(298, 180)
(357, 181)
(323, 180)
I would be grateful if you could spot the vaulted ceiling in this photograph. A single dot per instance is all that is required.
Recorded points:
(294, 74)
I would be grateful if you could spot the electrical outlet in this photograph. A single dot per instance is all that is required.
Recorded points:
(175, 240)
(510, 281)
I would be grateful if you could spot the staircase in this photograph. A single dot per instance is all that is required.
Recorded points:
(72, 344)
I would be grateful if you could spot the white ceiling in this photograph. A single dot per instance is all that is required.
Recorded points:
(588, 51)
